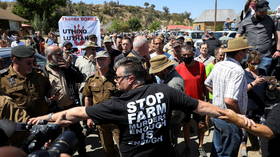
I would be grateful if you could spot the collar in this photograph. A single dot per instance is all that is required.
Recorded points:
(13, 73)
(170, 75)
(232, 60)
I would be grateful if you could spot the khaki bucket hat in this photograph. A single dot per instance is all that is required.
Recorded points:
(159, 63)
(90, 44)
(237, 44)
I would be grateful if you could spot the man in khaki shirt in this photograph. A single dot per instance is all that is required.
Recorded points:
(23, 86)
(98, 88)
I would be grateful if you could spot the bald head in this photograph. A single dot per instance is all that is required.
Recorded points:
(10, 151)
(50, 50)
(140, 45)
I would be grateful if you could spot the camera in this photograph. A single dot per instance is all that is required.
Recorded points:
(39, 135)
(34, 143)
(65, 143)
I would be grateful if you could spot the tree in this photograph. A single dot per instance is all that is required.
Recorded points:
(165, 10)
(134, 24)
(154, 26)
(146, 4)
(152, 6)
(29, 8)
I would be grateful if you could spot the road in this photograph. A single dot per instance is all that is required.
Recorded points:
(94, 148)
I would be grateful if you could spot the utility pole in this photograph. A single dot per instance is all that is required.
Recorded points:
(215, 18)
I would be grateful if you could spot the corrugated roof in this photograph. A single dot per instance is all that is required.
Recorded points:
(7, 15)
(222, 14)
(178, 27)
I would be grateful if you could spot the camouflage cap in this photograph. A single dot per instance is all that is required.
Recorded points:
(23, 51)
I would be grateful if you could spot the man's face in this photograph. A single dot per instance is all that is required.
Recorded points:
(25, 64)
(90, 51)
(102, 62)
(126, 45)
(204, 49)
(220, 55)
(243, 55)
(186, 53)
(56, 57)
(157, 45)
(108, 45)
(261, 14)
(161, 74)
(177, 50)
(93, 39)
(119, 43)
(68, 46)
(122, 80)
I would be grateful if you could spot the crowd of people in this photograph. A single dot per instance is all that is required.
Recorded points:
(139, 90)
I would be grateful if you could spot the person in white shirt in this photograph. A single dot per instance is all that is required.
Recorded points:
(17, 42)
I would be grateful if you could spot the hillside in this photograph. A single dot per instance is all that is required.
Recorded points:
(108, 13)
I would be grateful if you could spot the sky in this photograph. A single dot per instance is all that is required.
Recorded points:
(195, 7)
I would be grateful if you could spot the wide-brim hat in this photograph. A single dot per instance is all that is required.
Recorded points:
(102, 54)
(159, 63)
(90, 44)
(107, 39)
(237, 44)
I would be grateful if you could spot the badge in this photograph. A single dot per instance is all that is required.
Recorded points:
(12, 81)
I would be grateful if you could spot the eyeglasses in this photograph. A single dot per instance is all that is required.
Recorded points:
(119, 77)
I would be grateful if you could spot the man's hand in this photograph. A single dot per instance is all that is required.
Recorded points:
(36, 120)
(276, 54)
(90, 123)
(237, 119)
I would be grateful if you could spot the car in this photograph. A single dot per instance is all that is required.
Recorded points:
(5, 58)
(195, 35)
(219, 34)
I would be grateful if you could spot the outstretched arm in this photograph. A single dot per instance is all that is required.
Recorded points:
(207, 108)
(257, 129)
(65, 117)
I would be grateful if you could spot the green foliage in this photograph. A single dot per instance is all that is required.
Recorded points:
(42, 8)
(118, 26)
(154, 26)
(146, 4)
(134, 24)
(152, 6)
(219, 27)
(40, 23)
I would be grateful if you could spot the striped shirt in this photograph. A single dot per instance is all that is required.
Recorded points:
(228, 80)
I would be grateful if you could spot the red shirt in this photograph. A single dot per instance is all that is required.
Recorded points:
(194, 78)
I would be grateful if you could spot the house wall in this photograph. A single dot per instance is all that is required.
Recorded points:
(206, 26)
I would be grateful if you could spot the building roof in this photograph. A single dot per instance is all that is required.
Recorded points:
(169, 27)
(222, 14)
(7, 15)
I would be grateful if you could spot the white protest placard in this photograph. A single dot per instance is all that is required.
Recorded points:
(76, 29)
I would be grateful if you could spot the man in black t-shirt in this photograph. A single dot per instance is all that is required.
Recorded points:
(142, 113)
(270, 130)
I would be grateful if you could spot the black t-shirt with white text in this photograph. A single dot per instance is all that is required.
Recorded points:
(143, 116)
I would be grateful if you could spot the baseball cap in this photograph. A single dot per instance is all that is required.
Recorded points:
(262, 5)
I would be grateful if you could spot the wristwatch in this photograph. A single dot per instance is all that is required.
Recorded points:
(50, 116)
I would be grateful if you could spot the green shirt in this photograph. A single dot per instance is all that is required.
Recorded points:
(208, 70)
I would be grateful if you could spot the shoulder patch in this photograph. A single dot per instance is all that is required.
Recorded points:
(4, 71)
